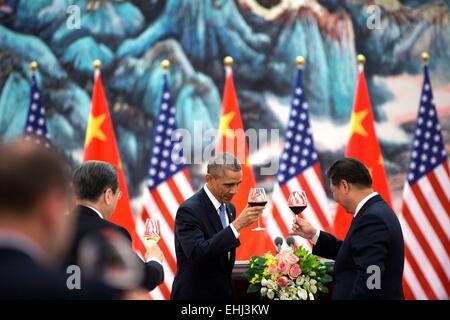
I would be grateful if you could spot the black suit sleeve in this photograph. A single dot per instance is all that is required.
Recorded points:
(327, 246)
(154, 275)
(189, 231)
(369, 245)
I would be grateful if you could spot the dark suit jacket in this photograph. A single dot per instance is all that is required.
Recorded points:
(374, 238)
(21, 277)
(202, 246)
(88, 222)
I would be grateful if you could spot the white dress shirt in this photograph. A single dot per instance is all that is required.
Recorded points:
(95, 210)
(358, 207)
(216, 205)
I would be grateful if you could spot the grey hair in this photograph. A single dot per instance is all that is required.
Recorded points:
(221, 161)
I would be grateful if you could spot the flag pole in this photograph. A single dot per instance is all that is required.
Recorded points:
(97, 64)
(228, 62)
(300, 61)
(361, 61)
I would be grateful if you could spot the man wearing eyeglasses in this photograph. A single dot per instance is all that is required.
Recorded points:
(97, 190)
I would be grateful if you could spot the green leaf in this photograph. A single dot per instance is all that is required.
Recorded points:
(253, 288)
(326, 278)
(323, 289)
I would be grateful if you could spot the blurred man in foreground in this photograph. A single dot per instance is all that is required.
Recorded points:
(35, 229)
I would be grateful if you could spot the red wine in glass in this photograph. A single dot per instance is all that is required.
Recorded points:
(297, 209)
(297, 202)
(257, 197)
(257, 203)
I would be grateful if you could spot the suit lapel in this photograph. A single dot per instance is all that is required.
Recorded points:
(230, 213)
(211, 212)
(363, 210)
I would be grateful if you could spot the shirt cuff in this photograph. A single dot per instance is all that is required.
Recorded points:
(316, 237)
(236, 233)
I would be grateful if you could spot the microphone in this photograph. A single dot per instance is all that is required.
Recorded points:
(291, 242)
(278, 242)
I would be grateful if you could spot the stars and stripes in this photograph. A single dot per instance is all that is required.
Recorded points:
(36, 126)
(425, 212)
(299, 170)
(168, 186)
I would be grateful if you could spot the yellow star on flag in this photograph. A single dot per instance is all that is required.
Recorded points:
(356, 123)
(94, 128)
(225, 124)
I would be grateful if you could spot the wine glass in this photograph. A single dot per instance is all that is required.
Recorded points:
(151, 232)
(257, 197)
(297, 201)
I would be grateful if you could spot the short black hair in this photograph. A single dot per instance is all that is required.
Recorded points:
(28, 172)
(351, 170)
(92, 178)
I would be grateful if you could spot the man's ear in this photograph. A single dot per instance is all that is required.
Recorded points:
(345, 185)
(108, 196)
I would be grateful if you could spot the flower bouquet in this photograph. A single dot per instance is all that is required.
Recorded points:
(290, 275)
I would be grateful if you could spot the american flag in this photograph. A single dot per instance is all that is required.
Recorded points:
(299, 170)
(168, 186)
(35, 125)
(426, 207)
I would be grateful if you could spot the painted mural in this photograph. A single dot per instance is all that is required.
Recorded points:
(263, 36)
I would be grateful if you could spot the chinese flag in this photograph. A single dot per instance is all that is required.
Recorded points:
(100, 144)
(363, 145)
(232, 140)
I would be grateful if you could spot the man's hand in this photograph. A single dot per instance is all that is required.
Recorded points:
(303, 228)
(247, 217)
(154, 252)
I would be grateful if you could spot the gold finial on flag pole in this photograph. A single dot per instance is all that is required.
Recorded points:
(165, 64)
(33, 66)
(300, 61)
(97, 64)
(228, 61)
(425, 57)
(361, 59)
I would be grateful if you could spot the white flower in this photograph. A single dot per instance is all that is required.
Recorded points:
(270, 294)
(312, 282)
(263, 292)
(313, 289)
(312, 274)
(271, 285)
(284, 296)
(264, 282)
(311, 297)
(302, 294)
(299, 281)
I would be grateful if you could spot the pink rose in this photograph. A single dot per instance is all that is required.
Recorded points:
(272, 269)
(282, 267)
(282, 281)
(291, 258)
(295, 271)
